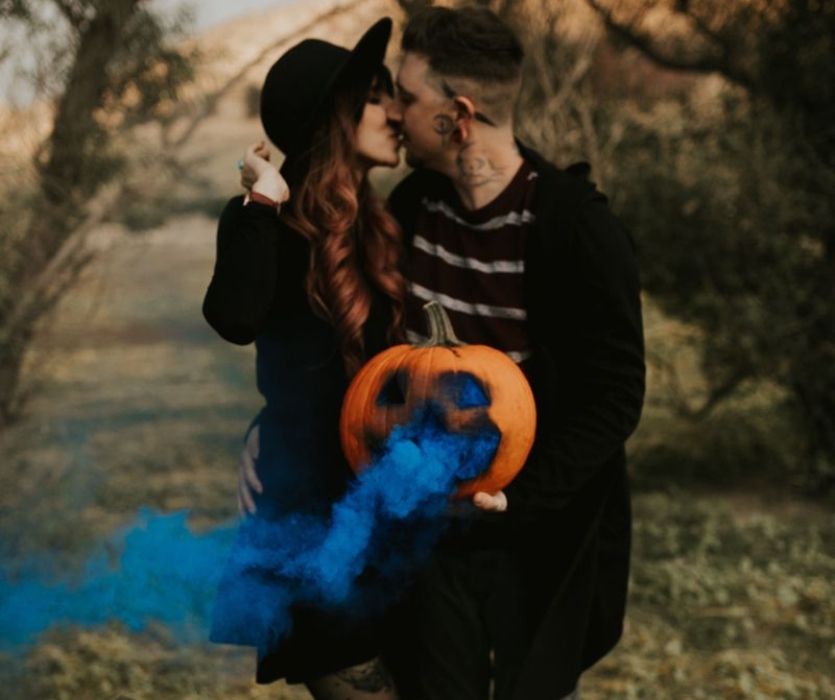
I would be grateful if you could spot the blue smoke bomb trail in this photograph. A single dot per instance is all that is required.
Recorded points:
(288, 562)
(156, 569)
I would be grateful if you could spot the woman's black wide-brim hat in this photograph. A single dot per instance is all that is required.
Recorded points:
(299, 85)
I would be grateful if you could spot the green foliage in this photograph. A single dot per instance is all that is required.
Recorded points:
(795, 70)
(14, 9)
(729, 189)
(730, 598)
(730, 242)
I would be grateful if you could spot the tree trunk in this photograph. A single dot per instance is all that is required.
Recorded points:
(68, 179)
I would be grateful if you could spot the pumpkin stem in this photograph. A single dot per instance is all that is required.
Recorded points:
(440, 327)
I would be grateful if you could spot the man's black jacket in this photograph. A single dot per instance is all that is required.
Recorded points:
(568, 509)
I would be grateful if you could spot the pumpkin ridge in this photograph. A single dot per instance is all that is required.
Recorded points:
(367, 382)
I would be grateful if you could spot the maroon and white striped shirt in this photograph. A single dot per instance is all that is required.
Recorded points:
(472, 263)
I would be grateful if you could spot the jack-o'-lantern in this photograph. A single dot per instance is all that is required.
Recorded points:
(469, 388)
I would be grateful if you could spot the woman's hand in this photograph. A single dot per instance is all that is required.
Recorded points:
(260, 175)
(248, 482)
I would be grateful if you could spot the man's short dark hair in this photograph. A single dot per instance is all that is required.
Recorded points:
(471, 42)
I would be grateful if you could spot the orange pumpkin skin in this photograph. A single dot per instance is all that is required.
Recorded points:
(511, 406)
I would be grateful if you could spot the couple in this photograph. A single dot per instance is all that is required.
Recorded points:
(528, 589)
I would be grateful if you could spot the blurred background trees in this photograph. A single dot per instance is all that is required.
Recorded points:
(734, 206)
(104, 66)
(710, 125)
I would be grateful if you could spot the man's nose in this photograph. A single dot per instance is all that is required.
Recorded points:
(394, 111)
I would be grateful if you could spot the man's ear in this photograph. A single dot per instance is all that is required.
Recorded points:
(464, 115)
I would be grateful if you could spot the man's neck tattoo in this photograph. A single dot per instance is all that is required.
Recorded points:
(475, 169)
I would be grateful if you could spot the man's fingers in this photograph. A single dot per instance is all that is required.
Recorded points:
(241, 508)
(252, 480)
(248, 457)
(253, 442)
(245, 498)
(248, 473)
(494, 502)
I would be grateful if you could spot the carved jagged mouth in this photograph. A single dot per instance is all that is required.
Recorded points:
(476, 440)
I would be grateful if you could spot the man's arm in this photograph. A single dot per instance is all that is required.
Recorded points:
(597, 403)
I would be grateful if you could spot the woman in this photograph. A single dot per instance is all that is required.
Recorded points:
(307, 268)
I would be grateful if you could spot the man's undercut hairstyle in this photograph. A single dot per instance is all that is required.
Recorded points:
(473, 47)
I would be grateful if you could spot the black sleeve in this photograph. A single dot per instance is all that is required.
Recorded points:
(603, 381)
(243, 286)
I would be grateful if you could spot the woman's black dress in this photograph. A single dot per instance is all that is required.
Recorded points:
(257, 294)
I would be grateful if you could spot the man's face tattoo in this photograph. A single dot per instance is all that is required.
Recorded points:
(443, 126)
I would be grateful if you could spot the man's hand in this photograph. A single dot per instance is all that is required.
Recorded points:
(247, 478)
(496, 502)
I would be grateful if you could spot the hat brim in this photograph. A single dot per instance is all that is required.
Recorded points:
(367, 57)
(359, 70)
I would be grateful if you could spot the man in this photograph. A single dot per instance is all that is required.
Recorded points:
(530, 589)
(527, 258)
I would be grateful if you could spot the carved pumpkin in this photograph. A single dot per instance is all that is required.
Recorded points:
(470, 388)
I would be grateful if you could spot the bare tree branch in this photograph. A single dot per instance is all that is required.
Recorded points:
(721, 64)
(412, 7)
(211, 101)
(71, 12)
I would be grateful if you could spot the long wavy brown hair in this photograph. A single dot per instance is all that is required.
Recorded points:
(353, 240)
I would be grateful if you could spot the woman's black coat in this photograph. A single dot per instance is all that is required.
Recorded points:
(257, 293)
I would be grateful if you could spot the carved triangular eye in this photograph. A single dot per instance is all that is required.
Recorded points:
(463, 390)
(472, 394)
(393, 392)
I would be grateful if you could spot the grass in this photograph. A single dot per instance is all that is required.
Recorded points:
(729, 600)
(732, 592)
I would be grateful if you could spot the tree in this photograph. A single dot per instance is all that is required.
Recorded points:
(119, 68)
(733, 207)
(736, 215)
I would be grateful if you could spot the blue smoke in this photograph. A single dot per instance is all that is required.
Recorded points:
(378, 533)
(156, 569)
(159, 570)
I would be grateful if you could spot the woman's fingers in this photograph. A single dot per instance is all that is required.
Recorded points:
(284, 190)
(254, 156)
(247, 178)
(260, 175)
(257, 169)
(262, 150)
